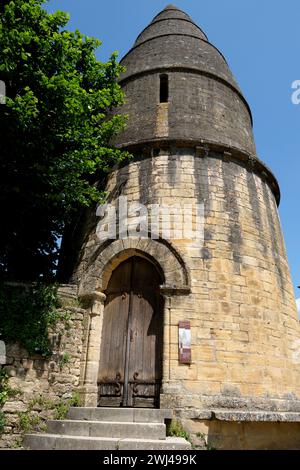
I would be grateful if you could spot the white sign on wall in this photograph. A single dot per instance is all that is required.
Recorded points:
(184, 337)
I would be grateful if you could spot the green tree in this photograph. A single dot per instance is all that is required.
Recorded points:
(55, 133)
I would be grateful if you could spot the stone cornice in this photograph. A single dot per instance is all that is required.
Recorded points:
(204, 149)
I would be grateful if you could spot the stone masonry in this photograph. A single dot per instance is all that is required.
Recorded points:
(45, 381)
(242, 388)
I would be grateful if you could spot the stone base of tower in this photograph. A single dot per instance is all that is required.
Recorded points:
(244, 435)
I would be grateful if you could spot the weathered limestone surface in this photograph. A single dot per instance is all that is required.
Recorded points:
(245, 330)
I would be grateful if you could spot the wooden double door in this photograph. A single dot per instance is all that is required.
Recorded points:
(130, 369)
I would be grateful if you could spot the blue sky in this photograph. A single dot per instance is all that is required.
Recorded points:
(261, 42)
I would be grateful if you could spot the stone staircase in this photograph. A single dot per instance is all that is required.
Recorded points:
(108, 429)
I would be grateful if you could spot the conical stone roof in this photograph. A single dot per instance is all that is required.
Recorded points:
(172, 39)
(205, 103)
(170, 21)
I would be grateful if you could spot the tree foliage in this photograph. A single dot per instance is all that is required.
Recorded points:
(55, 134)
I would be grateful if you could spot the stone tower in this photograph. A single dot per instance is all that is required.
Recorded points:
(190, 132)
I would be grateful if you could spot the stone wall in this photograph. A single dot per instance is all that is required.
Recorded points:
(44, 383)
(269, 433)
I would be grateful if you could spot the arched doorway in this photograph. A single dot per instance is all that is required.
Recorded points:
(130, 369)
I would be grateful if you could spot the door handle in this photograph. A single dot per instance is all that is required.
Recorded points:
(131, 336)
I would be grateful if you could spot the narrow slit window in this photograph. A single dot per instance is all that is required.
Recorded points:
(164, 88)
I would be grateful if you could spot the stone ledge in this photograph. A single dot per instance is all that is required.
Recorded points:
(211, 149)
(200, 415)
(256, 416)
(239, 416)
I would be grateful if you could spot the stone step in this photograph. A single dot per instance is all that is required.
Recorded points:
(113, 429)
(134, 415)
(61, 442)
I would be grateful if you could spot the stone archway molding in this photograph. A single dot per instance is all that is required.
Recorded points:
(108, 256)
